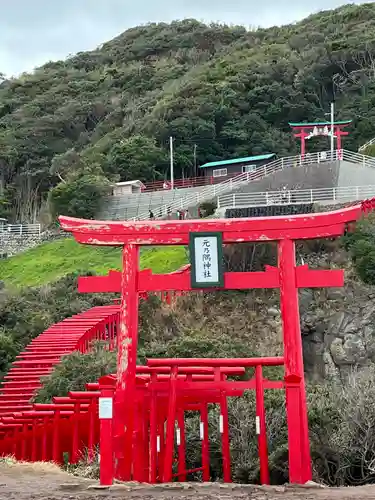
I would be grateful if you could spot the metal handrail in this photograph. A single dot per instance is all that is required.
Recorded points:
(296, 197)
(366, 145)
(166, 203)
(187, 182)
(213, 191)
(358, 158)
(20, 229)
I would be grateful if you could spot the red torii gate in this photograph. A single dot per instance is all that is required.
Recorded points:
(287, 277)
(305, 131)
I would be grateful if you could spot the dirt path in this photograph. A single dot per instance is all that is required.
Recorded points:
(46, 482)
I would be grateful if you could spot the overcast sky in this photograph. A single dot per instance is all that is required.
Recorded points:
(33, 32)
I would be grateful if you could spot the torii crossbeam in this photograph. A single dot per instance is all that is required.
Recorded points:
(287, 277)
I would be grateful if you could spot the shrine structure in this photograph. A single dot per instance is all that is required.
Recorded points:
(205, 239)
(306, 131)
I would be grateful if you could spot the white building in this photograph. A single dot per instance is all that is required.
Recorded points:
(127, 187)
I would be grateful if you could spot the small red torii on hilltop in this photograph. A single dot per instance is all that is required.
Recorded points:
(287, 276)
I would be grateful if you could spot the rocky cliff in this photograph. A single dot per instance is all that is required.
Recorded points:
(338, 324)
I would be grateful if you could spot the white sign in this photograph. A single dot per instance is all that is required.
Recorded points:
(257, 425)
(201, 430)
(207, 263)
(105, 408)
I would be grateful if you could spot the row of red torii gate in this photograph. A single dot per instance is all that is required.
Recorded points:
(142, 412)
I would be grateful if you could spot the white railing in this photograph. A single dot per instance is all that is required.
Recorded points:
(170, 203)
(210, 192)
(359, 159)
(138, 203)
(366, 145)
(296, 197)
(27, 230)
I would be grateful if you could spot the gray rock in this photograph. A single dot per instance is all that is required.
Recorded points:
(72, 486)
(272, 311)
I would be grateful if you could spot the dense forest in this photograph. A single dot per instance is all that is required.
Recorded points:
(220, 91)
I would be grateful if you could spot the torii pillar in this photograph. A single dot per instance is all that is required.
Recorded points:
(287, 277)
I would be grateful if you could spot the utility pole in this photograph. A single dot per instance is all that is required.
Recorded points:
(171, 160)
(332, 129)
(195, 160)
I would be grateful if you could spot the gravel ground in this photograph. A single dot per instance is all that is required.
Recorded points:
(47, 482)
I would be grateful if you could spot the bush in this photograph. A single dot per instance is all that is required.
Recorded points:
(361, 245)
(9, 348)
(352, 444)
(207, 208)
(79, 197)
(89, 469)
(76, 370)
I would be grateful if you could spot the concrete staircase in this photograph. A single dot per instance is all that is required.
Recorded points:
(314, 171)
(312, 176)
(131, 206)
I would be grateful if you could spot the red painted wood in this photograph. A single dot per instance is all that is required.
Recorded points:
(106, 445)
(205, 443)
(182, 238)
(300, 132)
(184, 183)
(169, 443)
(262, 436)
(182, 446)
(217, 362)
(143, 233)
(225, 439)
(306, 278)
(293, 360)
(153, 433)
(127, 359)
(295, 439)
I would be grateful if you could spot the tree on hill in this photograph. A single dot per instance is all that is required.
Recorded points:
(137, 157)
(229, 91)
(79, 197)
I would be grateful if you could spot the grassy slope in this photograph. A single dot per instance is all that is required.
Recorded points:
(51, 261)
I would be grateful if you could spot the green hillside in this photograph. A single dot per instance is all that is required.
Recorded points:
(108, 113)
(51, 261)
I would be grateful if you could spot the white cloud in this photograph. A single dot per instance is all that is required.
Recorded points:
(33, 32)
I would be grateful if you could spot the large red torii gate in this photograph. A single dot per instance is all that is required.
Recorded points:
(287, 277)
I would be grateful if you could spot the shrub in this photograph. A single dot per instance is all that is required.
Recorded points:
(89, 469)
(79, 197)
(361, 244)
(353, 441)
(76, 370)
(9, 348)
(207, 208)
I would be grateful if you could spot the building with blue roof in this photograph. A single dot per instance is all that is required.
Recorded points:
(220, 170)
